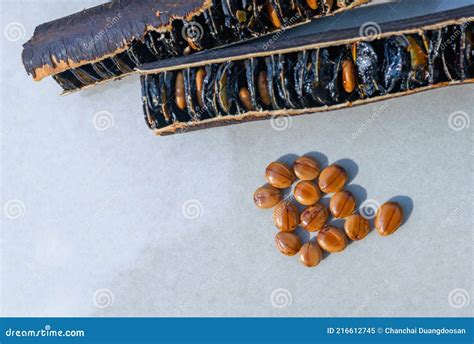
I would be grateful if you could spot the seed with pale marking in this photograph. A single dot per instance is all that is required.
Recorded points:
(356, 227)
(388, 218)
(342, 204)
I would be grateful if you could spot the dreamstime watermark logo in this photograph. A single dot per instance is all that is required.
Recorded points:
(376, 291)
(368, 208)
(14, 31)
(14, 209)
(459, 120)
(192, 31)
(276, 36)
(281, 298)
(373, 117)
(459, 298)
(281, 122)
(192, 209)
(103, 298)
(370, 31)
(103, 120)
(111, 22)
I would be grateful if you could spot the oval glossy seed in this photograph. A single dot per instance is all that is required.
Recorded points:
(200, 75)
(311, 254)
(279, 175)
(244, 96)
(348, 76)
(332, 179)
(287, 243)
(342, 204)
(313, 4)
(286, 216)
(306, 168)
(356, 227)
(266, 196)
(307, 193)
(331, 239)
(388, 218)
(179, 91)
(263, 93)
(273, 15)
(314, 218)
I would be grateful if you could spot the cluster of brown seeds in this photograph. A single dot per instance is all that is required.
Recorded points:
(312, 183)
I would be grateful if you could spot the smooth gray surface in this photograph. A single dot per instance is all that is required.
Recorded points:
(101, 228)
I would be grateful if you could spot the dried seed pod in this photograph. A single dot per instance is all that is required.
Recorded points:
(332, 179)
(306, 168)
(286, 216)
(307, 192)
(388, 218)
(266, 196)
(329, 75)
(310, 254)
(287, 243)
(332, 239)
(148, 32)
(356, 227)
(342, 204)
(314, 217)
(279, 175)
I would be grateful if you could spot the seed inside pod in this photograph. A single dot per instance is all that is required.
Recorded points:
(418, 56)
(356, 227)
(331, 239)
(200, 75)
(179, 91)
(286, 216)
(342, 204)
(311, 254)
(273, 15)
(267, 196)
(388, 218)
(279, 175)
(348, 75)
(287, 243)
(313, 4)
(245, 98)
(314, 218)
(307, 192)
(263, 88)
(332, 179)
(306, 168)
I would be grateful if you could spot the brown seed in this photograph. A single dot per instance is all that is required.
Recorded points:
(342, 204)
(273, 15)
(307, 192)
(348, 76)
(263, 88)
(306, 168)
(244, 96)
(287, 243)
(179, 91)
(332, 179)
(286, 216)
(266, 196)
(331, 239)
(311, 254)
(279, 175)
(313, 4)
(356, 227)
(200, 75)
(388, 218)
(314, 218)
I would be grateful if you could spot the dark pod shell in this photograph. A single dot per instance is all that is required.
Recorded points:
(313, 73)
(113, 39)
(104, 30)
